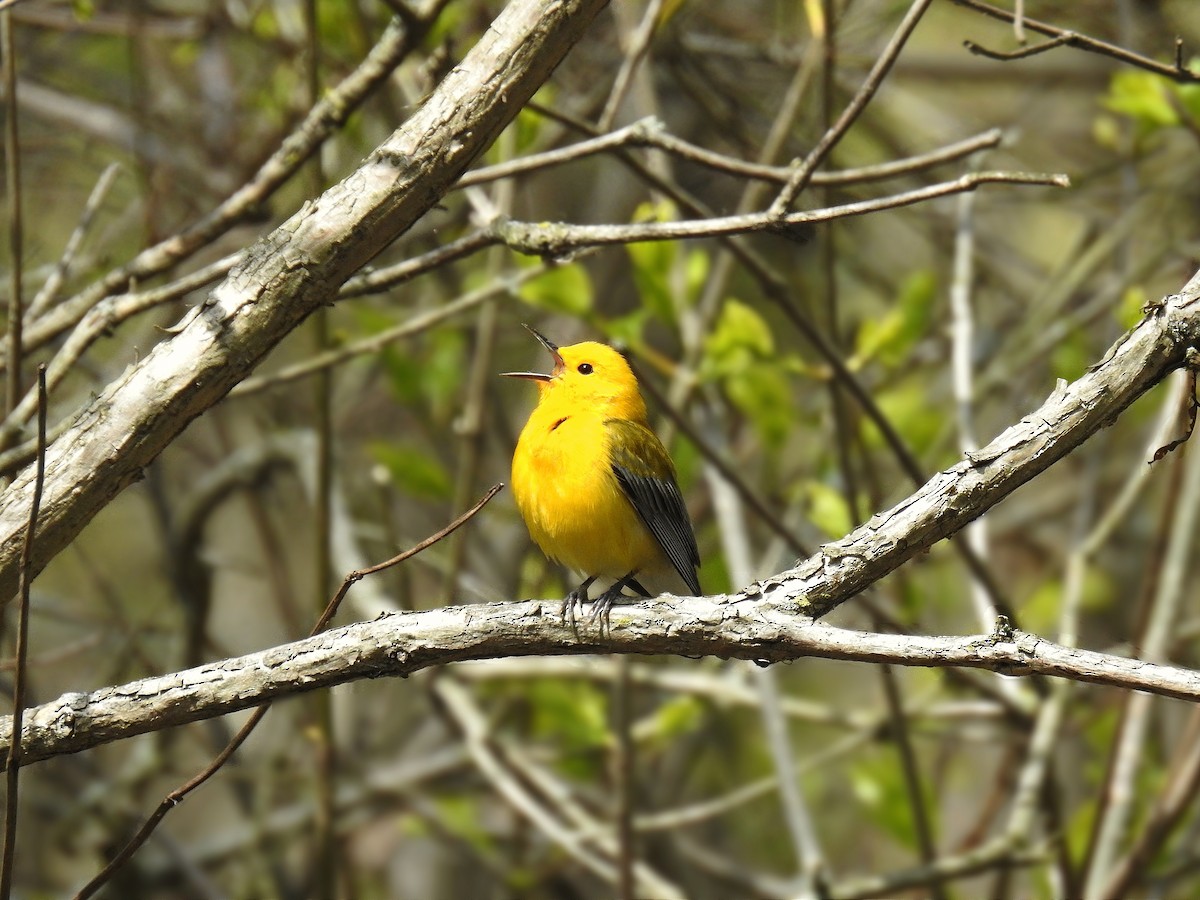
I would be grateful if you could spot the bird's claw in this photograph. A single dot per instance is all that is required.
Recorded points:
(603, 606)
(567, 613)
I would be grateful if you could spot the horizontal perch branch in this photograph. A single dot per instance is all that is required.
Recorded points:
(401, 644)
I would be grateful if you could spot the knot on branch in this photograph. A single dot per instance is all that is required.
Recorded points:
(647, 130)
(549, 240)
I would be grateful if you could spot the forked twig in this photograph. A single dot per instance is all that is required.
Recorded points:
(1062, 36)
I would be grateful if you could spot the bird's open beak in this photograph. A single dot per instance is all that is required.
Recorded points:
(549, 345)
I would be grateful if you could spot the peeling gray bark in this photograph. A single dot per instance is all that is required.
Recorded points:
(401, 644)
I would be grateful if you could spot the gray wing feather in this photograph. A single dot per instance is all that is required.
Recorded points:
(659, 503)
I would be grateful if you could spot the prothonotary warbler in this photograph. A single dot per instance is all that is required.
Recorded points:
(593, 482)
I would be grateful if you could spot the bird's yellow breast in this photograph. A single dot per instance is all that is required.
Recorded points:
(564, 486)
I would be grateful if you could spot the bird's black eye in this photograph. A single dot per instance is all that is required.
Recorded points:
(585, 369)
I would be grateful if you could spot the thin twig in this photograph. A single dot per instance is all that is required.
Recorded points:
(19, 678)
(624, 770)
(12, 181)
(57, 655)
(1001, 852)
(176, 796)
(325, 862)
(913, 782)
(962, 356)
(728, 692)
(58, 276)
(481, 376)
(378, 280)
(558, 239)
(639, 46)
(1176, 72)
(887, 58)
(1024, 52)
(649, 132)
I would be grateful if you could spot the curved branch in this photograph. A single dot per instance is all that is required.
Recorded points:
(401, 644)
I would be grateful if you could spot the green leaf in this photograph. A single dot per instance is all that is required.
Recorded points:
(651, 267)
(574, 713)
(1072, 355)
(653, 262)
(714, 572)
(627, 330)
(413, 471)
(1042, 611)
(696, 268)
(906, 405)
(564, 289)
(679, 716)
(878, 784)
(429, 374)
(1106, 132)
(740, 353)
(827, 509)
(1143, 97)
(412, 826)
(460, 815)
(763, 393)
(444, 372)
(1189, 95)
(529, 124)
(893, 335)
(404, 375)
(740, 336)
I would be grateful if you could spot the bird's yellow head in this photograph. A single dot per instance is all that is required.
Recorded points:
(588, 376)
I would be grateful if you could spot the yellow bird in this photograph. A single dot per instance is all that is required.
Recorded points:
(593, 482)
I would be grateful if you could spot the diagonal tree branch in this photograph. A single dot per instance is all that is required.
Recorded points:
(1162, 342)
(286, 275)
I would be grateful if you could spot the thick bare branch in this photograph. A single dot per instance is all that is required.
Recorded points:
(401, 644)
(286, 276)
